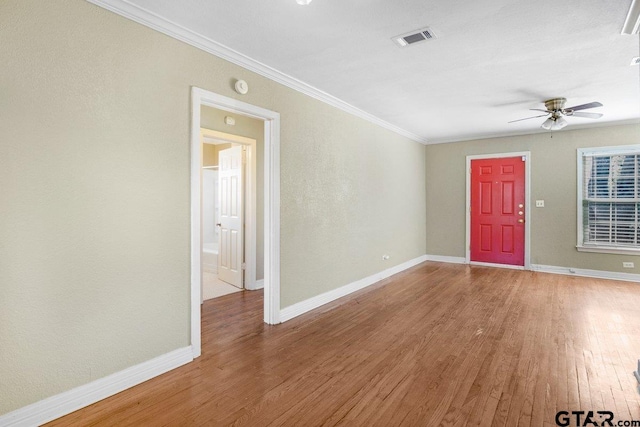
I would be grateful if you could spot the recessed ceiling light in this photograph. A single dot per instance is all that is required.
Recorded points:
(303, 2)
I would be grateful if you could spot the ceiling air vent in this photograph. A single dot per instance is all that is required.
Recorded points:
(414, 37)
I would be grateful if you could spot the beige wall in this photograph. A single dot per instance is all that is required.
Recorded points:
(553, 179)
(94, 195)
(210, 153)
(212, 118)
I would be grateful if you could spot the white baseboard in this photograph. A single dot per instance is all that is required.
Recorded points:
(302, 307)
(598, 274)
(570, 271)
(258, 285)
(449, 259)
(64, 403)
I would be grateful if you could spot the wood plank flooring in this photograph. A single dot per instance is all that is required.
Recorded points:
(438, 344)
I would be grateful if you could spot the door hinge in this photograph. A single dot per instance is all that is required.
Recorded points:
(524, 158)
(244, 265)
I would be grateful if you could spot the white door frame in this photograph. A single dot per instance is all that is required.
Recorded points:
(527, 209)
(200, 97)
(209, 136)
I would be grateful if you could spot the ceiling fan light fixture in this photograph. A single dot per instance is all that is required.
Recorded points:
(547, 124)
(559, 123)
(556, 112)
(554, 123)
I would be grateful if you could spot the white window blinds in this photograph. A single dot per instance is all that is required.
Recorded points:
(610, 199)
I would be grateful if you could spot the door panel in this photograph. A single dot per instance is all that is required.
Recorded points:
(486, 238)
(497, 210)
(507, 198)
(507, 239)
(486, 193)
(231, 250)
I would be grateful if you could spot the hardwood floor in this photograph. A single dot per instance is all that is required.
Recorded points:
(438, 344)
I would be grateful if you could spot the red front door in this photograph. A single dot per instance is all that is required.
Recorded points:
(497, 210)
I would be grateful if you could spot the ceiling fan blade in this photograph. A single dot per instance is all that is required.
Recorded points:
(585, 106)
(586, 115)
(527, 118)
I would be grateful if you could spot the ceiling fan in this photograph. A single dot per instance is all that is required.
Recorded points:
(555, 107)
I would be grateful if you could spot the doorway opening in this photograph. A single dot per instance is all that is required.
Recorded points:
(498, 211)
(270, 167)
(232, 221)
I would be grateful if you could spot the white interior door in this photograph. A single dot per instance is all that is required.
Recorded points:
(231, 243)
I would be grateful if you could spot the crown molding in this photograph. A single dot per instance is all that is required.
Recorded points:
(632, 23)
(178, 32)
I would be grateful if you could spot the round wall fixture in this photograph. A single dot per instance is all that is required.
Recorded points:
(242, 87)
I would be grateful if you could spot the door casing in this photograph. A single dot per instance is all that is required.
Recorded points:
(271, 121)
(527, 207)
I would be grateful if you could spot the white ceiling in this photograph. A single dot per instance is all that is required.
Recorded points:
(493, 60)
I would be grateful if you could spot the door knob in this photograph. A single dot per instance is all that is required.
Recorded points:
(521, 220)
(218, 225)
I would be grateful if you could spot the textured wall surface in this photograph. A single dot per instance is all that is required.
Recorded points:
(212, 118)
(94, 195)
(553, 179)
(351, 196)
(210, 153)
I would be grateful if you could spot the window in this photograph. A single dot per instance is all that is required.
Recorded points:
(609, 199)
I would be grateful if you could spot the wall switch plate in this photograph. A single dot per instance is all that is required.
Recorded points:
(385, 257)
(539, 203)
(627, 265)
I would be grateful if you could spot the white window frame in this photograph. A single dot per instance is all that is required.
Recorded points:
(582, 152)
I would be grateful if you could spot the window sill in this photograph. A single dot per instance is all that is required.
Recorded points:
(609, 250)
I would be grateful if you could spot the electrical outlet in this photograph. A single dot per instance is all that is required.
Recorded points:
(539, 203)
(385, 257)
(627, 265)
